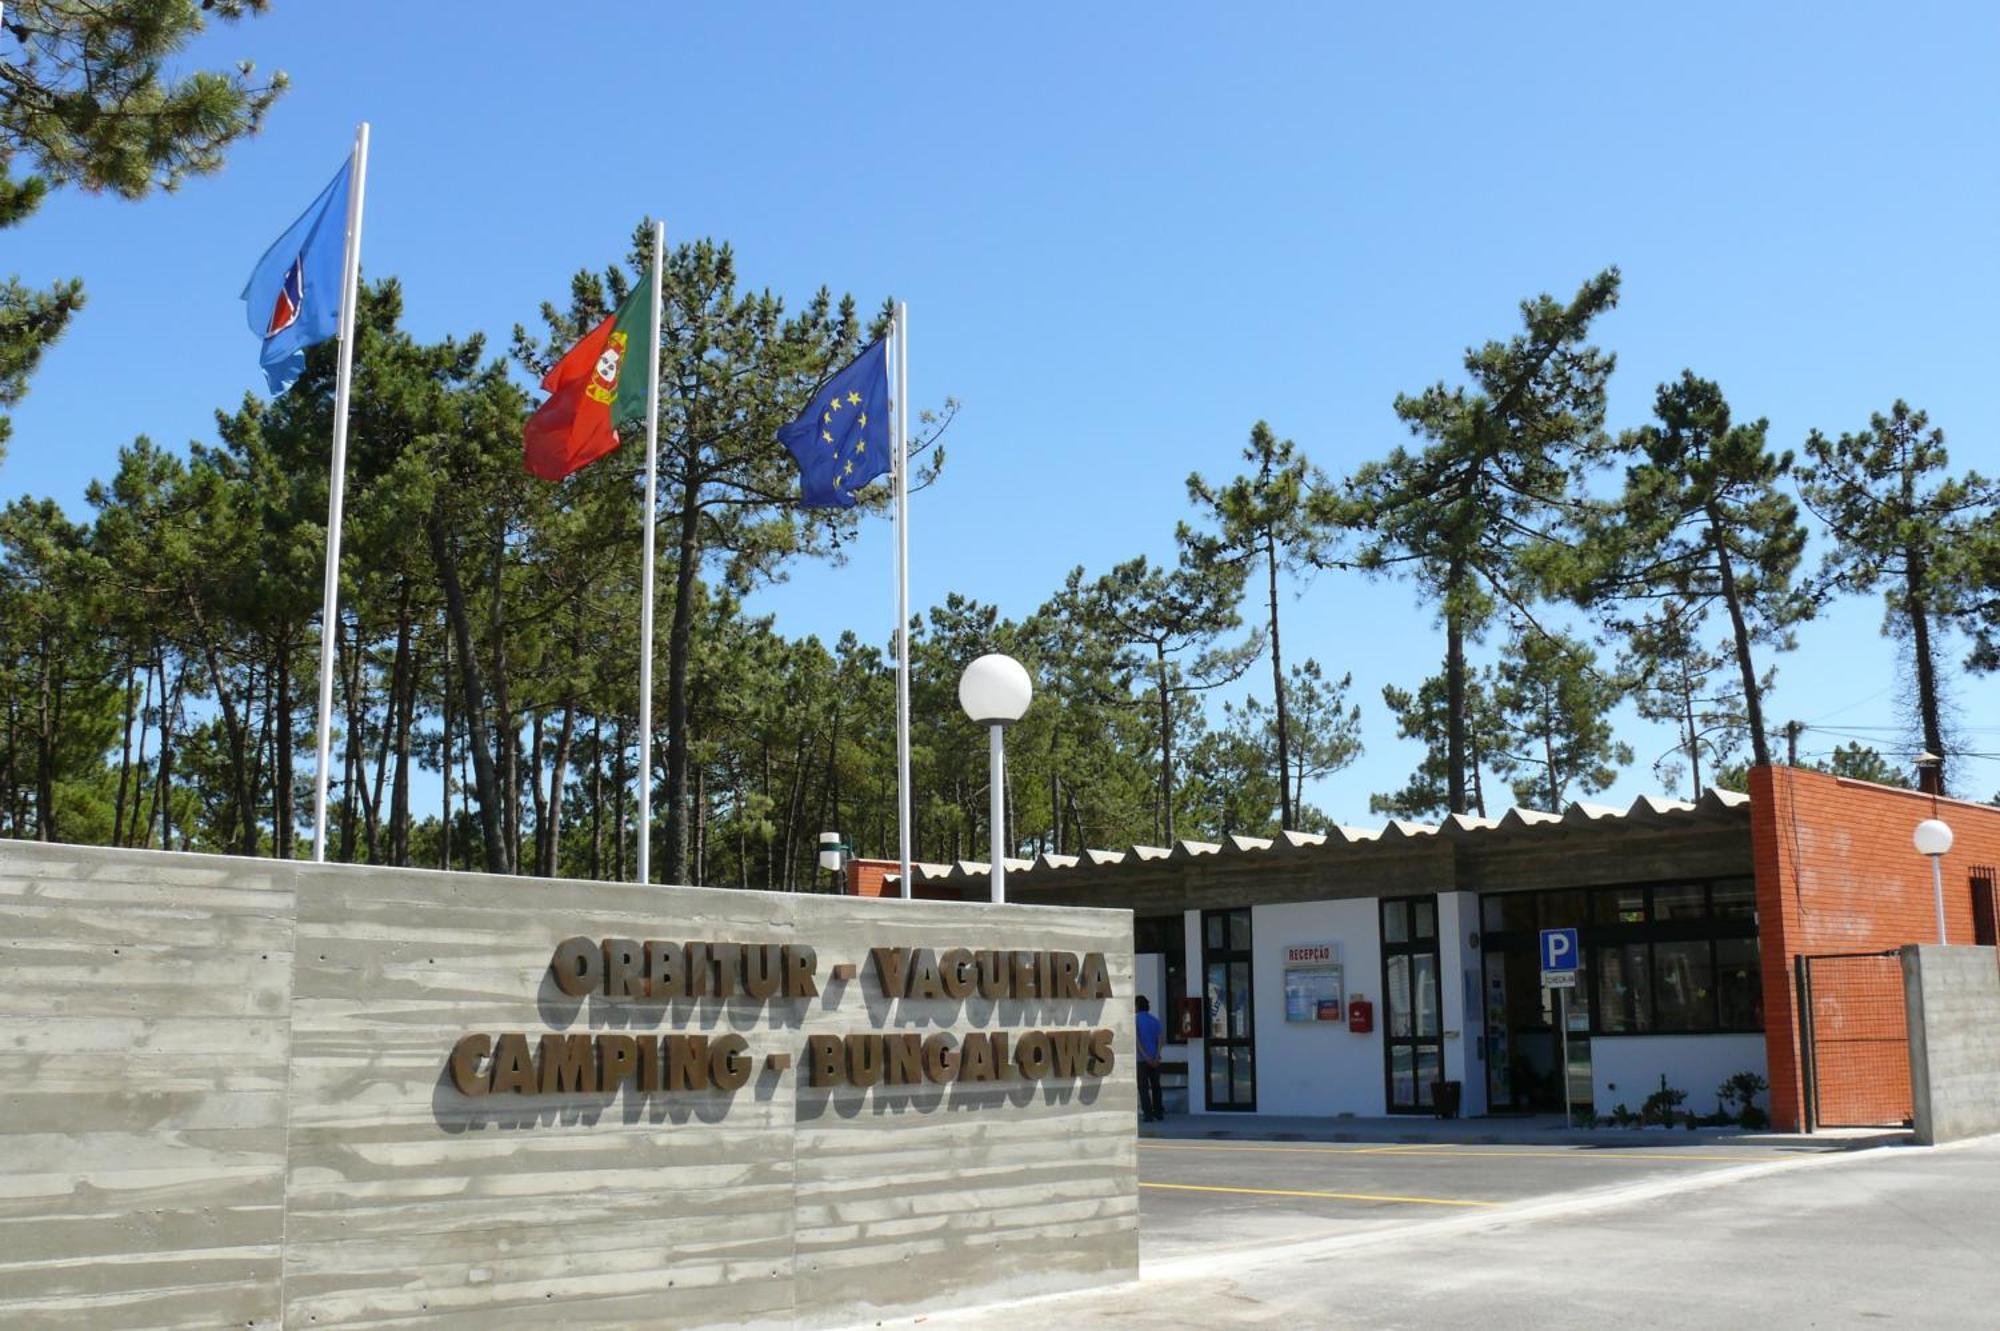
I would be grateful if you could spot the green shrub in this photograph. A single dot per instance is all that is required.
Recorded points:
(1663, 1105)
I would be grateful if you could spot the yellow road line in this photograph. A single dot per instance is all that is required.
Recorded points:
(1602, 1154)
(1323, 1196)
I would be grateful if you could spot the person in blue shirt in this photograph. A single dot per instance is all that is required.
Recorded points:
(1152, 1109)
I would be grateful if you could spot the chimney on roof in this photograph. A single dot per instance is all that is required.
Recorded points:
(1930, 774)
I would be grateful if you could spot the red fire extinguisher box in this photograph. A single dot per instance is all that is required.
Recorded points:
(1360, 1015)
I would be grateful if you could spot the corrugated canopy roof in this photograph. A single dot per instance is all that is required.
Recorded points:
(1646, 811)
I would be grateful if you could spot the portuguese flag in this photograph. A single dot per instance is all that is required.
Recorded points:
(593, 391)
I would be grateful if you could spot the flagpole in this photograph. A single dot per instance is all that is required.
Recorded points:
(329, 631)
(646, 572)
(902, 414)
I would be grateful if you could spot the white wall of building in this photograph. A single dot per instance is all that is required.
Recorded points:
(1464, 1010)
(1625, 1069)
(1315, 1067)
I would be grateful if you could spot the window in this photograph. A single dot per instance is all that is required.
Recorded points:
(1624, 989)
(1736, 899)
(1395, 921)
(1739, 985)
(1684, 986)
(1681, 901)
(1619, 905)
(1677, 957)
(1985, 920)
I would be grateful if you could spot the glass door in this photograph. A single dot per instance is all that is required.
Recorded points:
(1412, 1002)
(1231, 1049)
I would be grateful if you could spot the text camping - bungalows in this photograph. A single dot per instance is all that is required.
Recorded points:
(627, 970)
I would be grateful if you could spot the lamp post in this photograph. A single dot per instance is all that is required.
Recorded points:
(1933, 834)
(832, 854)
(995, 691)
(1933, 838)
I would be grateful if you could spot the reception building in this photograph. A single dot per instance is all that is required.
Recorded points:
(1353, 971)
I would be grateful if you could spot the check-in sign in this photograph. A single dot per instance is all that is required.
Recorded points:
(1559, 950)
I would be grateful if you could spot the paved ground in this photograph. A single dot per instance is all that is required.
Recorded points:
(1308, 1235)
(1199, 1198)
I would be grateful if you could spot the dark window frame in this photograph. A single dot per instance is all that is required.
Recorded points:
(1170, 933)
(1648, 932)
(1411, 945)
(1227, 956)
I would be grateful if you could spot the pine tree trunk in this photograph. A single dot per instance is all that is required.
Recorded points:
(618, 802)
(140, 785)
(558, 773)
(596, 798)
(234, 731)
(700, 878)
(405, 703)
(536, 747)
(678, 652)
(45, 749)
(477, 740)
(1166, 748)
(1286, 809)
(350, 786)
(166, 786)
(1454, 690)
(284, 819)
(124, 757)
(1753, 697)
(444, 742)
(1916, 604)
(396, 731)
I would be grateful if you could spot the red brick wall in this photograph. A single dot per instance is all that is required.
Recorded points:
(1836, 872)
(870, 878)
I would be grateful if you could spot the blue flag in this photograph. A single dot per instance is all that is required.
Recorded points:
(842, 441)
(293, 298)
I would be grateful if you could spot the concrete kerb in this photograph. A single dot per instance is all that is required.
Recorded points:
(1504, 1132)
(1239, 1262)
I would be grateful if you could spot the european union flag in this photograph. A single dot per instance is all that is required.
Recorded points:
(842, 440)
(293, 297)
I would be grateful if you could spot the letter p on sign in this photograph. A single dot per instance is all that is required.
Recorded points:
(1559, 950)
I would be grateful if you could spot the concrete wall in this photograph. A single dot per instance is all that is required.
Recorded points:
(1836, 872)
(225, 1100)
(1953, 1000)
(1625, 1069)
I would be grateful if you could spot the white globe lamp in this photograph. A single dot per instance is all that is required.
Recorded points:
(995, 692)
(1933, 838)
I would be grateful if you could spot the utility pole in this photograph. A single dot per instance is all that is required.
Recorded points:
(1792, 743)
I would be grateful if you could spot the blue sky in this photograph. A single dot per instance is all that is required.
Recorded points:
(1126, 232)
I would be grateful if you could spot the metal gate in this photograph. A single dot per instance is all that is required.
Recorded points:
(1854, 1040)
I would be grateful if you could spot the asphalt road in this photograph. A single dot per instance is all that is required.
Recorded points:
(1201, 1198)
(1311, 1236)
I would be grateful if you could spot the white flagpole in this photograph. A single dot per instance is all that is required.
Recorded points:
(329, 621)
(646, 573)
(902, 414)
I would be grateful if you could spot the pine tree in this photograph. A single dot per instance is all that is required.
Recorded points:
(1278, 516)
(1899, 521)
(1422, 715)
(1555, 707)
(1676, 679)
(1499, 472)
(89, 105)
(1171, 624)
(1702, 521)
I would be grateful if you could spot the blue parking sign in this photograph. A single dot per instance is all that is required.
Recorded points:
(1559, 952)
